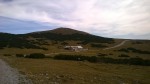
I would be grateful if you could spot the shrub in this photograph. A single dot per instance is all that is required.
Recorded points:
(76, 58)
(124, 50)
(110, 54)
(19, 55)
(137, 42)
(98, 45)
(131, 61)
(7, 55)
(94, 59)
(44, 48)
(101, 54)
(123, 55)
(136, 61)
(83, 42)
(36, 55)
(130, 49)
(64, 43)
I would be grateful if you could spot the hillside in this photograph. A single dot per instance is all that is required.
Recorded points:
(64, 31)
(16, 41)
(35, 40)
(102, 60)
(53, 41)
(63, 34)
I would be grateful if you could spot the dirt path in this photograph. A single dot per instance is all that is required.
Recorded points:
(9, 75)
(122, 43)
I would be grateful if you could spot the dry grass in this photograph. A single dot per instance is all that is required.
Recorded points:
(53, 49)
(49, 71)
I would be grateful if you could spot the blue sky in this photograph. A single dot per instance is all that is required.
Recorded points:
(108, 18)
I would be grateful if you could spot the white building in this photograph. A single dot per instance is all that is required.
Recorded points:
(74, 48)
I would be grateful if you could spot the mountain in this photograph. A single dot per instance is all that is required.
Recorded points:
(64, 31)
(63, 34)
(35, 40)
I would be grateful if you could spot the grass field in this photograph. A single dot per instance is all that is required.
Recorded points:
(49, 71)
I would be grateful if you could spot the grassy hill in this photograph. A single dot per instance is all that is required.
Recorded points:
(36, 40)
(53, 41)
(97, 65)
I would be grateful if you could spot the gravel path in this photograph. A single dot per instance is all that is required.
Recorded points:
(10, 75)
(122, 43)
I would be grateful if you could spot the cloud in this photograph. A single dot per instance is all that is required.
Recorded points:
(6, 0)
(109, 18)
(18, 26)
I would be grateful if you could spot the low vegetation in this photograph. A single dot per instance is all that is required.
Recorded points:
(17, 41)
(7, 55)
(74, 37)
(123, 55)
(98, 45)
(20, 55)
(137, 42)
(64, 43)
(101, 54)
(130, 49)
(35, 56)
(94, 59)
(48, 71)
(130, 61)
(76, 58)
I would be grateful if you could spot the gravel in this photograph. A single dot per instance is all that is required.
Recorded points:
(10, 75)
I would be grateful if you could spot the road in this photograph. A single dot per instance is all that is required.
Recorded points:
(122, 43)
(10, 75)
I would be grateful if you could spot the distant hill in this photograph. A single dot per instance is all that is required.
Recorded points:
(41, 38)
(63, 34)
(64, 31)
(16, 41)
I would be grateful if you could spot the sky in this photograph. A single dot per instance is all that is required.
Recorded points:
(128, 19)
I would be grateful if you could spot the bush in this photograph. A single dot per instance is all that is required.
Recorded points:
(137, 42)
(44, 48)
(98, 45)
(7, 55)
(94, 59)
(124, 50)
(123, 55)
(76, 58)
(101, 54)
(36, 55)
(136, 61)
(19, 55)
(64, 43)
(131, 61)
(130, 49)
(110, 54)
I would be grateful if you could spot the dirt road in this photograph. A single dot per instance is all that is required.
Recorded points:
(10, 75)
(122, 43)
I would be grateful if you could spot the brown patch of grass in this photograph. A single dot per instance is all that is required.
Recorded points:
(66, 72)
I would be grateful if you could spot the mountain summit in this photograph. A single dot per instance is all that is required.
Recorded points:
(64, 31)
(67, 31)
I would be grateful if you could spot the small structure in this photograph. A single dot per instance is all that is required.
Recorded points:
(74, 48)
